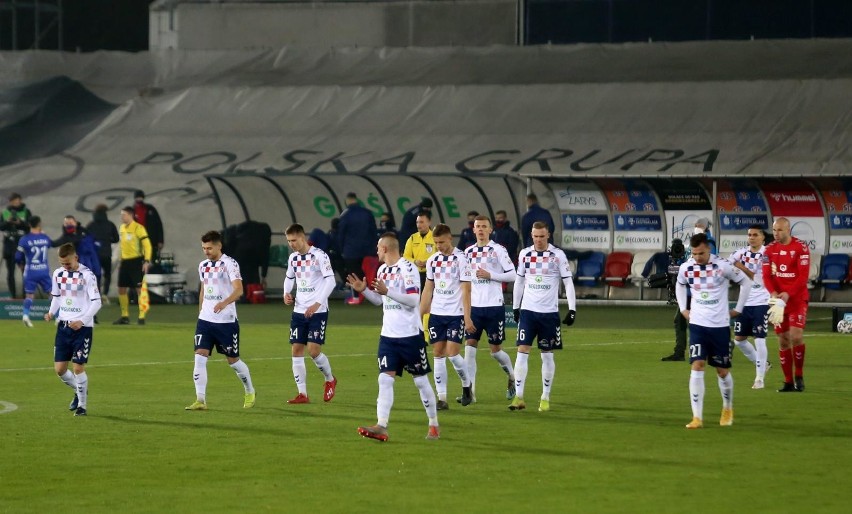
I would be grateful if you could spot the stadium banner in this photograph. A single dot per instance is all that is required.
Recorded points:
(741, 222)
(840, 222)
(679, 195)
(586, 231)
(837, 196)
(682, 224)
(638, 232)
(728, 244)
(738, 196)
(792, 197)
(577, 196)
(629, 195)
(811, 231)
(14, 309)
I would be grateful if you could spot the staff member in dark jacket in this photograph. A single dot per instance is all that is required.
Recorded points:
(14, 224)
(535, 212)
(357, 235)
(105, 234)
(146, 215)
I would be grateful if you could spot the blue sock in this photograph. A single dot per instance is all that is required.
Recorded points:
(28, 302)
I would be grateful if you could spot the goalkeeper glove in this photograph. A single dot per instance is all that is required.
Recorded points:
(516, 313)
(776, 311)
(570, 317)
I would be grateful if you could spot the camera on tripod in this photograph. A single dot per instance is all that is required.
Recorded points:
(668, 278)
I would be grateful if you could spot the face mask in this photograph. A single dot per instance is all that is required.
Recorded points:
(698, 230)
(70, 229)
(499, 223)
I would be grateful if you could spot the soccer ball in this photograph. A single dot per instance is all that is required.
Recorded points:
(844, 327)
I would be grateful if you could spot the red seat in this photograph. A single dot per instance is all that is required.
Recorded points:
(617, 268)
(370, 266)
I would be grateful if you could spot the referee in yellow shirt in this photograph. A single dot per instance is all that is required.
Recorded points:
(135, 259)
(420, 245)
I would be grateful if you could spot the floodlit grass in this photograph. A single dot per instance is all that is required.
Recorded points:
(614, 440)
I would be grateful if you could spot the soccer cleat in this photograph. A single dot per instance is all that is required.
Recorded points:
(377, 432)
(727, 418)
(248, 403)
(800, 384)
(758, 384)
(140, 321)
(330, 388)
(434, 432)
(544, 405)
(81, 411)
(466, 397)
(672, 357)
(196, 405)
(74, 403)
(510, 389)
(517, 404)
(768, 367)
(695, 423)
(124, 320)
(787, 388)
(300, 398)
(442, 405)
(27, 322)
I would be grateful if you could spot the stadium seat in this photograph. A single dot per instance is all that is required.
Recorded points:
(617, 268)
(370, 266)
(835, 270)
(278, 255)
(590, 269)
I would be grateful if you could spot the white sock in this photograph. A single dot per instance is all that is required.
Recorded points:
(299, 374)
(470, 363)
(82, 389)
(747, 349)
(427, 396)
(199, 375)
(68, 379)
(324, 366)
(548, 369)
(440, 371)
(505, 362)
(726, 387)
(696, 393)
(243, 374)
(762, 356)
(385, 400)
(461, 369)
(520, 373)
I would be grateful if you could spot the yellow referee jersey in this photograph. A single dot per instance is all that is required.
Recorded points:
(419, 248)
(134, 242)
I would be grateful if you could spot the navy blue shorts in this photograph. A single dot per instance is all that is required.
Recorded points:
(544, 325)
(308, 330)
(752, 321)
(445, 328)
(403, 354)
(72, 345)
(224, 336)
(491, 320)
(711, 344)
(32, 282)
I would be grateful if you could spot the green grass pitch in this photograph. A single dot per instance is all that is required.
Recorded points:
(614, 440)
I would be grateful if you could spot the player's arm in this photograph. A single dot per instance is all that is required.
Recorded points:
(289, 284)
(426, 296)
(745, 288)
(231, 298)
(740, 266)
(468, 321)
(53, 310)
(769, 281)
(682, 293)
(325, 289)
(803, 269)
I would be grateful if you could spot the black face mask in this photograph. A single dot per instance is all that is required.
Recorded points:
(500, 224)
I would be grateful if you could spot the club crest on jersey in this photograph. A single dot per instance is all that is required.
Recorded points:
(429, 248)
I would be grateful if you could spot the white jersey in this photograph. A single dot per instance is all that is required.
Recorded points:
(542, 272)
(753, 261)
(74, 292)
(493, 258)
(709, 284)
(400, 320)
(216, 277)
(309, 272)
(448, 272)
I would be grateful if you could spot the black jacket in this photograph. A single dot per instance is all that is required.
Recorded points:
(104, 232)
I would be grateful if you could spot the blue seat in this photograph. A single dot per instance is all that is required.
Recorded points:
(590, 269)
(835, 268)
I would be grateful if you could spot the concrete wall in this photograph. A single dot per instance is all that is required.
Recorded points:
(372, 24)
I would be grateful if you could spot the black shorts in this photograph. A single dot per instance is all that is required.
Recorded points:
(130, 272)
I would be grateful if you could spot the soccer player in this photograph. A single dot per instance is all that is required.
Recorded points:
(446, 298)
(709, 319)
(220, 286)
(535, 301)
(74, 303)
(491, 265)
(309, 270)
(136, 254)
(752, 321)
(31, 257)
(401, 343)
(786, 265)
